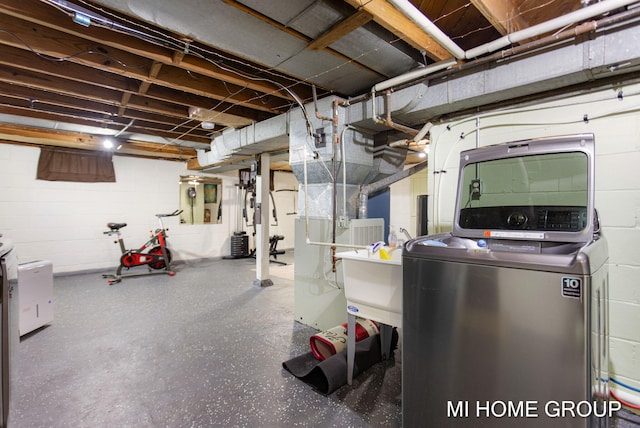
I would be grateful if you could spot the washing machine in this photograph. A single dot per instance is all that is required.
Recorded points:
(505, 318)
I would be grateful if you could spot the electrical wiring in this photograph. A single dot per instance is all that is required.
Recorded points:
(75, 55)
(98, 20)
(137, 29)
(210, 109)
(464, 6)
(614, 112)
(624, 385)
(174, 141)
(504, 22)
(182, 46)
(186, 46)
(623, 402)
(588, 103)
(196, 50)
(173, 43)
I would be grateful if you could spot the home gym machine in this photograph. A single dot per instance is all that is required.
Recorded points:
(246, 194)
(153, 253)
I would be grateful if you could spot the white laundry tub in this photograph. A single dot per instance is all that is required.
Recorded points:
(373, 286)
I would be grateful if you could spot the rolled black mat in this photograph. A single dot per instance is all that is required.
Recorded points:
(329, 375)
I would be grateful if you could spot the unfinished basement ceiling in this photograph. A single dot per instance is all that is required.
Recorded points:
(72, 72)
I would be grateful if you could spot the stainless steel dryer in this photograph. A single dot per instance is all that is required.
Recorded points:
(505, 319)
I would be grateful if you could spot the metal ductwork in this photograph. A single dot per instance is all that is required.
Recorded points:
(360, 159)
(236, 148)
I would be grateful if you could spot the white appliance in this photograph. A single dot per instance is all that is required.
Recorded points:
(35, 295)
(8, 327)
(319, 299)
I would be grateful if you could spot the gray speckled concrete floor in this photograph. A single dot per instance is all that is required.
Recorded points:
(204, 348)
(201, 349)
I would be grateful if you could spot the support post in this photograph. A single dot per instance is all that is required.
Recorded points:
(262, 223)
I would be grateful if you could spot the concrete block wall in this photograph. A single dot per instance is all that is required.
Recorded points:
(615, 122)
(64, 221)
(404, 206)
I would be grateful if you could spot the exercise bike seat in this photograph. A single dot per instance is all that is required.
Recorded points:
(116, 226)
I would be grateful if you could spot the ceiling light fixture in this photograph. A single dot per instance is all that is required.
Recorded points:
(207, 125)
(82, 19)
(107, 143)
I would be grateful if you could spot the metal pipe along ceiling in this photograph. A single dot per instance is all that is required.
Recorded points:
(415, 15)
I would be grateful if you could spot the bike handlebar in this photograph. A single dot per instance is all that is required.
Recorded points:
(175, 213)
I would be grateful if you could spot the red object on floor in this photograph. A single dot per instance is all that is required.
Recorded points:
(330, 342)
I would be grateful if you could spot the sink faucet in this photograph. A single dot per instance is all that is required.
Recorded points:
(403, 230)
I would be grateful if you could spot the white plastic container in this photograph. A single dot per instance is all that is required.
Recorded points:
(373, 286)
(35, 295)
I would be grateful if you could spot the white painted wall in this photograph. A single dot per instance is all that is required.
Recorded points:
(616, 125)
(64, 222)
(403, 201)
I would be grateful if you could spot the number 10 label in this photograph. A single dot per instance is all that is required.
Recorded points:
(572, 287)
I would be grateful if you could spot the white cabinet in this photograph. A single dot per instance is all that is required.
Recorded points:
(35, 295)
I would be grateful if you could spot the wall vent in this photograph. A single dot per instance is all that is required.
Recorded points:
(365, 231)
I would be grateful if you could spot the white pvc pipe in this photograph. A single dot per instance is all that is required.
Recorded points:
(547, 26)
(423, 131)
(627, 396)
(415, 74)
(344, 171)
(415, 15)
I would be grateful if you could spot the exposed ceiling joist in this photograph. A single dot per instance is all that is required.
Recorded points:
(64, 47)
(390, 18)
(341, 29)
(43, 15)
(20, 134)
(153, 74)
(143, 67)
(296, 34)
(502, 14)
(509, 16)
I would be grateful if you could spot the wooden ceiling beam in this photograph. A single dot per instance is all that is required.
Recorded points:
(75, 50)
(153, 73)
(292, 32)
(340, 30)
(131, 148)
(178, 56)
(28, 63)
(47, 136)
(35, 97)
(37, 12)
(126, 96)
(393, 20)
(90, 92)
(69, 118)
(502, 14)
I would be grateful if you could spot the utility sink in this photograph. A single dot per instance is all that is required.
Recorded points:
(373, 286)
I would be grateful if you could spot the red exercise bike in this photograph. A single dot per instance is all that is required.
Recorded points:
(153, 253)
